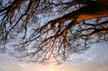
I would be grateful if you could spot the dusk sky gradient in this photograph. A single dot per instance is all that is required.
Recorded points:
(94, 59)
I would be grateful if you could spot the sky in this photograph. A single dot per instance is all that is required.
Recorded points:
(94, 59)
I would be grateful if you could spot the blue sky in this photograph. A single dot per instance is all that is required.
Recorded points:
(95, 59)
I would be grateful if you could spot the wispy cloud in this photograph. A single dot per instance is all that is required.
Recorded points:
(95, 59)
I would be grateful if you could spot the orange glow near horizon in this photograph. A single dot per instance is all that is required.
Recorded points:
(52, 64)
(52, 67)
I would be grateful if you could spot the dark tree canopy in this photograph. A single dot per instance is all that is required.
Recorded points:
(40, 29)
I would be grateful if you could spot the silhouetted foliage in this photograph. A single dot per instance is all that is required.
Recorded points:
(44, 28)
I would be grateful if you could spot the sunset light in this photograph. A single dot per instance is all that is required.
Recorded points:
(52, 67)
(52, 64)
(53, 35)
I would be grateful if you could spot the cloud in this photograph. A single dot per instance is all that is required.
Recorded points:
(95, 59)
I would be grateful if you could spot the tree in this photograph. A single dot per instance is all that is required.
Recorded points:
(53, 27)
